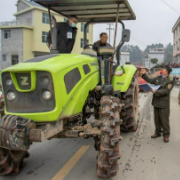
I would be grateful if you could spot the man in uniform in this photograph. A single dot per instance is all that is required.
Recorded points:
(161, 102)
(66, 35)
(102, 42)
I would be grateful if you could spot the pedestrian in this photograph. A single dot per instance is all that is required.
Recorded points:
(102, 42)
(66, 35)
(161, 102)
(174, 78)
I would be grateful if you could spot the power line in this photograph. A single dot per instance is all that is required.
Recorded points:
(171, 7)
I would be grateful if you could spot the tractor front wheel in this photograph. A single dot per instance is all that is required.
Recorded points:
(108, 155)
(11, 161)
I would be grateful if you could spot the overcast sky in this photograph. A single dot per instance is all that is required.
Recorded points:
(153, 24)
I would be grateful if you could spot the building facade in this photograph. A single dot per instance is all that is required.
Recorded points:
(124, 57)
(176, 41)
(25, 38)
(157, 53)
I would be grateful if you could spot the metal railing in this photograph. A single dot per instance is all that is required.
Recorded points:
(16, 23)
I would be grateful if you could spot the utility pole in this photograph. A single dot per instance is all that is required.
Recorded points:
(110, 31)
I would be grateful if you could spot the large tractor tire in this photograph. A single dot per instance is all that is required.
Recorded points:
(108, 155)
(11, 161)
(129, 113)
(14, 143)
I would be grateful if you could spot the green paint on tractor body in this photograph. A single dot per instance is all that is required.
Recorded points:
(68, 93)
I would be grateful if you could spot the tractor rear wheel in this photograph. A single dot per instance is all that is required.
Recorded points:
(11, 161)
(108, 155)
(130, 113)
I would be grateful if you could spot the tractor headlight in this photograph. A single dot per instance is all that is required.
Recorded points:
(47, 95)
(11, 96)
(8, 82)
(46, 81)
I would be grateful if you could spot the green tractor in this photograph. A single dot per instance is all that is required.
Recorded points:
(53, 96)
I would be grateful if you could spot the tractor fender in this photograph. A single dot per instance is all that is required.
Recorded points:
(123, 82)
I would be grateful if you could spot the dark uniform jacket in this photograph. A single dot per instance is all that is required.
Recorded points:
(99, 44)
(161, 98)
(64, 45)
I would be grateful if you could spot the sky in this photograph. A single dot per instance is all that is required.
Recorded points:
(153, 24)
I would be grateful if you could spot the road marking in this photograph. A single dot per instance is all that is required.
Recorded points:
(70, 164)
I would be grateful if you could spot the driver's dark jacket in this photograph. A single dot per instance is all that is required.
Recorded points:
(64, 45)
(161, 98)
(98, 44)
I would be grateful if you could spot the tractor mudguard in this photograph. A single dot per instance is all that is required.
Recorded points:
(122, 82)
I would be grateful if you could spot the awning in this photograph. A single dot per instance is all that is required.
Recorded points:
(91, 10)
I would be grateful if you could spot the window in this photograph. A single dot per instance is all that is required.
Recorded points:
(44, 37)
(82, 43)
(7, 34)
(14, 59)
(86, 69)
(4, 57)
(45, 18)
(71, 79)
(82, 27)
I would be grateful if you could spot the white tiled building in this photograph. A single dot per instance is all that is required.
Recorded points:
(125, 57)
(157, 53)
(176, 40)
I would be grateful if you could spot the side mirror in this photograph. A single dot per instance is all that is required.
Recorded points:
(126, 35)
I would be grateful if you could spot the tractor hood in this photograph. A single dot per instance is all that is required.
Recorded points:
(52, 63)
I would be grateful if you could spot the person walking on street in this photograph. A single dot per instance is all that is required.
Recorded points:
(161, 102)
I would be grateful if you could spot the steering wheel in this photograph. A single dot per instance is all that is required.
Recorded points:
(93, 47)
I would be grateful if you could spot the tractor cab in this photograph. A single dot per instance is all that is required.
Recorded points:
(92, 12)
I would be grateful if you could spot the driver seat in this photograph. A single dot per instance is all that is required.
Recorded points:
(89, 52)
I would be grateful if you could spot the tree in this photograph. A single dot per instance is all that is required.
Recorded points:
(154, 60)
(135, 53)
(153, 46)
(168, 54)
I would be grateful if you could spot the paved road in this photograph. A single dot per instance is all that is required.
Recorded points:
(143, 158)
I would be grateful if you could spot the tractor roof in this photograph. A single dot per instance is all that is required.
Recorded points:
(91, 10)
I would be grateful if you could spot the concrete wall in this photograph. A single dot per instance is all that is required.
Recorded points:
(27, 44)
(12, 46)
(26, 17)
(21, 6)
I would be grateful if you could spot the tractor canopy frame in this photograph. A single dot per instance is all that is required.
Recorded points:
(92, 12)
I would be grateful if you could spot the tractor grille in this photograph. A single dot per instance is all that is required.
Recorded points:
(24, 80)
(29, 102)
